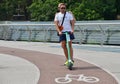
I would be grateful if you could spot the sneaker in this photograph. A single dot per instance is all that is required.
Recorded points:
(72, 61)
(66, 62)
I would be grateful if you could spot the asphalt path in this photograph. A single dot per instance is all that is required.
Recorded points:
(50, 66)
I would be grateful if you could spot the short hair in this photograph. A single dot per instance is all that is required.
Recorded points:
(61, 4)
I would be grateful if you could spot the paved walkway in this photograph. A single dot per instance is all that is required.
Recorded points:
(92, 60)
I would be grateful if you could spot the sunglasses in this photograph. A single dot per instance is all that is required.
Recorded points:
(62, 8)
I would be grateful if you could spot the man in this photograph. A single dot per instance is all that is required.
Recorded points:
(68, 26)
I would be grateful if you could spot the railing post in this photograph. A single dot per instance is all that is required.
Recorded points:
(103, 35)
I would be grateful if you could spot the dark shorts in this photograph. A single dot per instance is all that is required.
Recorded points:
(63, 37)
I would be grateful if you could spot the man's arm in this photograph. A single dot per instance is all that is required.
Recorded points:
(72, 21)
(73, 16)
(72, 25)
(56, 22)
(58, 30)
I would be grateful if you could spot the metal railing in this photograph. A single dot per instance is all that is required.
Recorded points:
(95, 33)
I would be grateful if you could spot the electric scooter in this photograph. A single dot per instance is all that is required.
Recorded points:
(70, 63)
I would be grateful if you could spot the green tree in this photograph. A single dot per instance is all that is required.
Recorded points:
(8, 8)
(117, 5)
(85, 10)
(109, 10)
(43, 10)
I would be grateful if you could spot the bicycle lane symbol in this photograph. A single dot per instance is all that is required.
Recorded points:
(80, 77)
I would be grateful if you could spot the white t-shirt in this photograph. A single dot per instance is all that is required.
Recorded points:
(66, 23)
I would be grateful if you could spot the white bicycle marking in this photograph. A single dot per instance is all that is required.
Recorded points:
(80, 77)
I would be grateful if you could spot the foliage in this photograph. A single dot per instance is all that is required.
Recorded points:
(44, 10)
(8, 8)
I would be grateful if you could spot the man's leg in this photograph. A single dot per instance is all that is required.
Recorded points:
(71, 50)
(63, 45)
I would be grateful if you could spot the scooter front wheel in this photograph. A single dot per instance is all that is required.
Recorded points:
(70, 65)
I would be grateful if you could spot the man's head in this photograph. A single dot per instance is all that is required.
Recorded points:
(62, 7)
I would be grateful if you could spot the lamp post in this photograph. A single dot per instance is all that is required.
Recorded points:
(18, 16)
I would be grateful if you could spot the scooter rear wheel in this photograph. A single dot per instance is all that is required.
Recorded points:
(70, 66)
